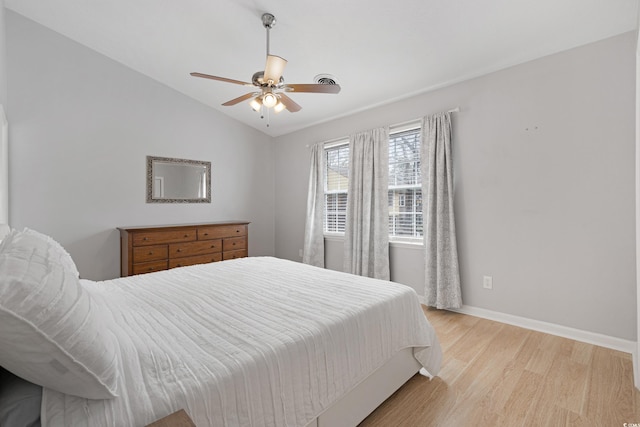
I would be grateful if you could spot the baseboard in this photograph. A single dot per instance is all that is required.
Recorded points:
(594, 338)
(636, 371)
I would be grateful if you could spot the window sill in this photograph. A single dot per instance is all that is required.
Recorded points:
(334, 237)
(406, 244)
(418, 245)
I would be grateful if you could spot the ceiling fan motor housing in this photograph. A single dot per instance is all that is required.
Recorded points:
(258, 80)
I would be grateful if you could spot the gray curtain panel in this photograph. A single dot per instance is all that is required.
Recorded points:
(442, 288)
(366, 243)
(313, 252)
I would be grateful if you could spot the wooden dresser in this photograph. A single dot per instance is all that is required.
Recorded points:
(160, 247)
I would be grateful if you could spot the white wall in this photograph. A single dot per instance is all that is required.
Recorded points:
(81, 128)
(544, 179)
(3, 57)
(4, 160)
(636, 368)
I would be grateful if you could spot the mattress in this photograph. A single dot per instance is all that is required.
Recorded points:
(255, 341)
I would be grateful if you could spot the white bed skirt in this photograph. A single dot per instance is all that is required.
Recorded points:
(356, 405)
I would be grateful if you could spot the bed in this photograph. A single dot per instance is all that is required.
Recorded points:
(255, 341)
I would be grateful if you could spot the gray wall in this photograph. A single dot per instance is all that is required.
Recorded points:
(544, 179)
(636, 369)
(81, 126)
(3, 57)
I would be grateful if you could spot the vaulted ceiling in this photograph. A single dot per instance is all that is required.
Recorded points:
(378, 51)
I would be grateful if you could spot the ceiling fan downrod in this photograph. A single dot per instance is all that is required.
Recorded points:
(268, 21)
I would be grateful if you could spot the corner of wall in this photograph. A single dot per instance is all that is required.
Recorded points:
(3, 57)
(636, 368)
(4, 167)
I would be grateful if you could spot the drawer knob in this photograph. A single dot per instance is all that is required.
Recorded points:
(206, 234)
(150, 269)
(178, 265)
(179, 250)
(237, 231)
(145, 238)
(234, 243)
(213, 246)
(150, 253)
(186, 235)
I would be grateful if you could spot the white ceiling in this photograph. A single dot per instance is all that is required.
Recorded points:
(378, 50)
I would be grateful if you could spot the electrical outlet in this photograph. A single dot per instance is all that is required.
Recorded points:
(487, 282)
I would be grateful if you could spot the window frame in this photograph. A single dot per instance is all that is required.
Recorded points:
(414, 125)
(335, 144)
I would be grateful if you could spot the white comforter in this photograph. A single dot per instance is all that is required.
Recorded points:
(248, 342)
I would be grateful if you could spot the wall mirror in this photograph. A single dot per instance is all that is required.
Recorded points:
(178, 180)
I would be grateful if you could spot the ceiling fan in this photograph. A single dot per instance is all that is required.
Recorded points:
(269, 84)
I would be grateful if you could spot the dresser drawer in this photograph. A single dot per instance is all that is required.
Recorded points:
(148, 267)
(178, 250)
(205, 233)
(150, 253)
(234, 254)
(155, 237)
(191, 260)
(234, 244)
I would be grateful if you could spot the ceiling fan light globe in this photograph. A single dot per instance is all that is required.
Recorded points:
(255, 104)
(279, 107)
(269, 100)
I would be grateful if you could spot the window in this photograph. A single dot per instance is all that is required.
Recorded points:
(405, 186)
(336, 179)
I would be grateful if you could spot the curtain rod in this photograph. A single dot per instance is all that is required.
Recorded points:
(333, 141)
(452, 110)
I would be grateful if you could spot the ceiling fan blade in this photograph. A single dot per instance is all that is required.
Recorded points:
(289, 103)
(313, 88)
(222, 79)
(239, 99)
(274, 68)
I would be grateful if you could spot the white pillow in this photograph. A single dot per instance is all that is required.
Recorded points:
(50, 332)
(56, 251)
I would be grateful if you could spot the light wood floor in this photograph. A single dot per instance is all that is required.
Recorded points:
(495, 374)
